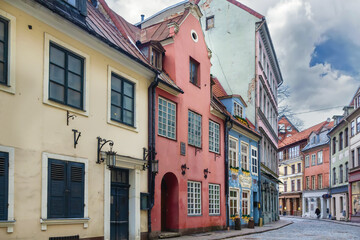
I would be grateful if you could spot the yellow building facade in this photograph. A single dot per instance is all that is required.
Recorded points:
(38, 130)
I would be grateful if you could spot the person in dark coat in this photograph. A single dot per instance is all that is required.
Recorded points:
(317, 212)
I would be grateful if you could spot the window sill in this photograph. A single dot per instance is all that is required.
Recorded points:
(8, 224)
(66, 107)
(7, 88)
(124, 126)
(63, 221)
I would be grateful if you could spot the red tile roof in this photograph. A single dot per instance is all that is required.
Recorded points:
(249, 10)
(218, 89)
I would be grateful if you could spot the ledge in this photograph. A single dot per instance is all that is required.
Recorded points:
(63, 221)
(9, 224)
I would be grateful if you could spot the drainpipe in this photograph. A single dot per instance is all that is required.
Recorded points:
(227, 129)
(151, 142)
(259, 181)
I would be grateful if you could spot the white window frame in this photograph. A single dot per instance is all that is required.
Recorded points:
(238, 109)
(10, 222)
(192, 200)
(166, 117)
(254, 161)
(245, 155)
(320, 181)
(307, 161)
(214, 199)
(313, 182)
(193, 139)
(313, 159)
(320, 157)
(243, 200)
(44, 191)
(236, 198)
(231, 151)
(11, 82)
(214, 137)
(86, 99)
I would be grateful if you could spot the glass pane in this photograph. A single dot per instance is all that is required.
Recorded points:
(115, 113)
(2, 79)
(57, 56)
(2, 31)
(56, 92)
(74, 98)
(116, 98)
(74, 64)
(57, 74)
(128, 117)
(128, 89)
(128, 103)
(74, 81)
(2, 51)
(115, 84)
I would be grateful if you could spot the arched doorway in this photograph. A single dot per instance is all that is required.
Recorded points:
(169, 203)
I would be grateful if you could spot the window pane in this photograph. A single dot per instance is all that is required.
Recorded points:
(74, 81)
(115, 113)
(2, 52)
(74, 98)
(128, 103)
(57, 74)
(56, 92)
(116, 98)
(2, 31)
(128, 117)
(57, 56)
(74, 64)
(2, 79)
(115, 84)
(128, 89)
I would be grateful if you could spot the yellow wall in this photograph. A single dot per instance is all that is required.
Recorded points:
(290, 177)
(32, 127)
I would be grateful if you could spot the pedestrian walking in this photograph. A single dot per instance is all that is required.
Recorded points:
(317, 212)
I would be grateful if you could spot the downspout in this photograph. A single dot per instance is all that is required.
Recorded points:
(329, 175)
(151, 142)
(227, 129)
(259, 181)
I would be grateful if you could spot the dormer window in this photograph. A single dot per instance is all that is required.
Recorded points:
(79, 5)
(238, 111)
(71, 2)
(156, 58)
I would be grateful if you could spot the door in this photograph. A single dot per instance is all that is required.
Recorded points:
(119, 211)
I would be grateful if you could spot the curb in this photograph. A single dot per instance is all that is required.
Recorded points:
(332, 221)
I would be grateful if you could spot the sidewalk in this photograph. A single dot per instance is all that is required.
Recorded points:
(325, 220)
(224, 234)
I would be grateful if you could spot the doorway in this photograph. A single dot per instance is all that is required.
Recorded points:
(169, 203)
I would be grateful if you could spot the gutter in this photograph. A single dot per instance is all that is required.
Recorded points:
(151, 144)
(227, 129)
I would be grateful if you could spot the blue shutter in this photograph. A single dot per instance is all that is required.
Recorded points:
(76, 190)
(82, 7)
(57, 189)
(4, 176)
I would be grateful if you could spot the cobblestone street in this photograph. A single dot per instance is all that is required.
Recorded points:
(309, 229)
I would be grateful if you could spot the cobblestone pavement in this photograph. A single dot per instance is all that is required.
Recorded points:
(303, 228)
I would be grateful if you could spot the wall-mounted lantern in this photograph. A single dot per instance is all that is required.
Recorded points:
(183, 169)
(154, 163)
(206, 172)
(110, 155)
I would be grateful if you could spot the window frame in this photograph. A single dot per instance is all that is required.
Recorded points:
(247, 200)
(346, 171)
(357, 125)
(334, 176)
(307, 182)
(341, 144)
(193, 143)
(293, 185)
(341, 173)
(213, 138)
(346, 137)
(334, 145)
(313, 182)
(352, 128)
(167, 102)
(192, 211)
(298, 184)
(299, 167)
(254, 160)
(238, 109)
(285, 185)
(231, 138)
(214, 208)
(320, 157)
(207, 23)
(247, 167)
(313, 159)
(236, 198)
(196, 64)
(5, 42)
(307, 161)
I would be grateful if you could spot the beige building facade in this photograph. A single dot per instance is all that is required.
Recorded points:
(49, 140)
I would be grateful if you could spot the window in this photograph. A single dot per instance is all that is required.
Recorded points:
(341, 141)
(234, 202)
(346, 137)
(298, 183)
(357, 124)
(245, 203)
(254, 161)
(346, 172)
(307, 161)
(260, 58)
(194, 72)
(285, 186)
(341, 173)
(4, 183)
(156, 58)
(194, 198)
(320, 181)
(214, 199)
(334, 176)
(238, 111)
(194, 131)
(71, 2)
(352, 128)
(285, 171)
(66, 77)
(65, 189)
(210, 22)
(233, 152)
(4, 39)
(320, 157)
(353, 158)
(358, 157)
(294, 152)
(167, 118)
(299, 167)
(334, 145)
(292, 185)
(293, 169)
(214, 137)
(313, 159)
(307, 182)
(313, 182)
(280, 154)
(245, 156)
(122, 100)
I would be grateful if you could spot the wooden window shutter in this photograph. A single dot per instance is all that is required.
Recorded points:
(4, 176)
(57, 189)
(76, 189)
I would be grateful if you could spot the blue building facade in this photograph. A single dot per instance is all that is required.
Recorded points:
(244, 164)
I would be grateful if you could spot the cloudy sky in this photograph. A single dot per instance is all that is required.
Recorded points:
(316, 42)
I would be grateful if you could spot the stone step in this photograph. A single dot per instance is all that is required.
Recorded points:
(169, 235)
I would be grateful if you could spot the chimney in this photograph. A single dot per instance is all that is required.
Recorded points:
(142, 17)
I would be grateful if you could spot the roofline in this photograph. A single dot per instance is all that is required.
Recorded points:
(289, 122)
(246, 8)
(169, 85)
(354, 96)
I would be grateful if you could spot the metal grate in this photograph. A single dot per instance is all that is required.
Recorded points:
(76, 174)
(57, 171)
(75, 237)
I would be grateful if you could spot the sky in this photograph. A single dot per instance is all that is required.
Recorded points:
(316, 43)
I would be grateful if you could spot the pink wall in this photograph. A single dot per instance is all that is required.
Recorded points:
(197, 99)
(317, 169)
